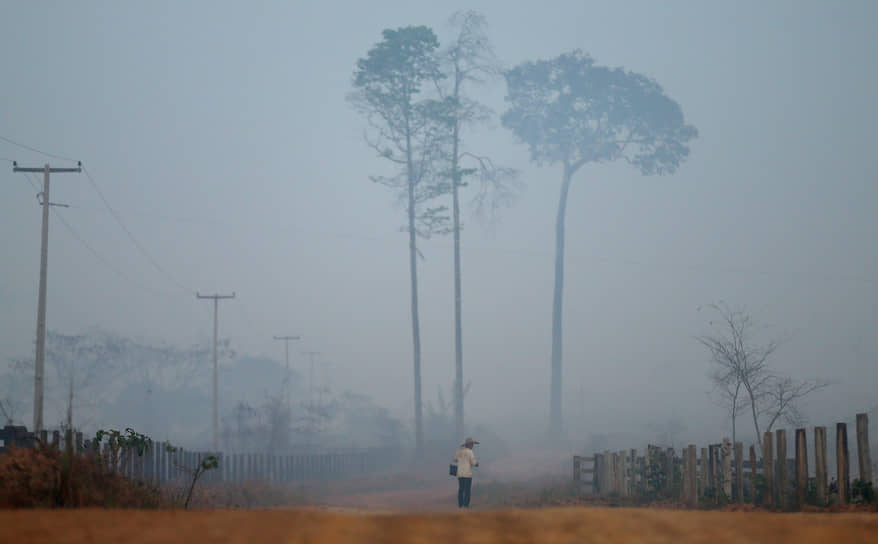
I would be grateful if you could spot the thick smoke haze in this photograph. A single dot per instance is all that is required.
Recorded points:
(221, 135)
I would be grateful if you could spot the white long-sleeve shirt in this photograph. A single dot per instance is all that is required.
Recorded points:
(466, 460)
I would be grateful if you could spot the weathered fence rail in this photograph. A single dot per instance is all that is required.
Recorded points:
(723, 474)
(159, 464)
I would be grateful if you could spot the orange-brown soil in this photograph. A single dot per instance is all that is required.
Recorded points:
(551, 525)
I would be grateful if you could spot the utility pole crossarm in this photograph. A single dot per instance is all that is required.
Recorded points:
(51, 170)
(215, 297)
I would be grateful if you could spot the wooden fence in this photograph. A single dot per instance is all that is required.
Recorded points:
(160, 465)
(723, 473)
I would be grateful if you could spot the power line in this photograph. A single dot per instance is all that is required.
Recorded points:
(35, 150)
(112, 211)
(131, 236)
(246, 314)
(729, 270)
(536, 252)
(93, 251)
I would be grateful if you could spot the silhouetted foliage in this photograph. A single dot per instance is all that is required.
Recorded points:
(570, 111)
(407, 131)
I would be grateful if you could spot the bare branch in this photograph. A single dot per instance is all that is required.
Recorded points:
(781, 397)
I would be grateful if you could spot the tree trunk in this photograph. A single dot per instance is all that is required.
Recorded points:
(458, 327)
(734, 434)
(555, 420)
(755, 417)
(416, 326)
(735, 411)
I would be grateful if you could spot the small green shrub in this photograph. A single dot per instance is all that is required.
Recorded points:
(862, 492)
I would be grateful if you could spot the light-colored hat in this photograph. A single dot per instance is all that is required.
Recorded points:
(468, 441)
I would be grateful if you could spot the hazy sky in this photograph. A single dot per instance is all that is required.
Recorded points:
(220, 133)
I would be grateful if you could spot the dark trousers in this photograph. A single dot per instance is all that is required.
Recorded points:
(464, 487)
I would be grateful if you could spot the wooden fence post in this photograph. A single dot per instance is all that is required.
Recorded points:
(739, 472)
(617, 474)
(843, 462)
(704, 482)
(56, 439)
(684, 474)
(863, 454)
(160, 462)
(726, 464)
(608, 483)
(753, 473)
(715, 474)
(632, 480)
(768, 469)
(801, 468)
(692, 476)
(147, 464)
(652, 468)
(166, 462)
(782, 476)
(820, 464)
(577, 468)
(595, 477)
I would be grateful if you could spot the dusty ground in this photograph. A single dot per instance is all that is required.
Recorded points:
(580, 525)
(418, 505)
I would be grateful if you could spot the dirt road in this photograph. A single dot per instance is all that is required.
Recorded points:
(580, 525)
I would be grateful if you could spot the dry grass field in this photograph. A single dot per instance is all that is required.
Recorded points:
(551, 525)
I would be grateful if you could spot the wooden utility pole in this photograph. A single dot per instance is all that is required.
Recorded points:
(40, 358)
(286, 340)
(216, 299)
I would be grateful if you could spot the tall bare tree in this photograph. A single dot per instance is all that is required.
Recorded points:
(572, 112)
(741, 370)
(739, 364)
(408, 131)
(468, 61)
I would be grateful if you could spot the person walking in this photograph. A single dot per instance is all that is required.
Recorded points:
(466, 460)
